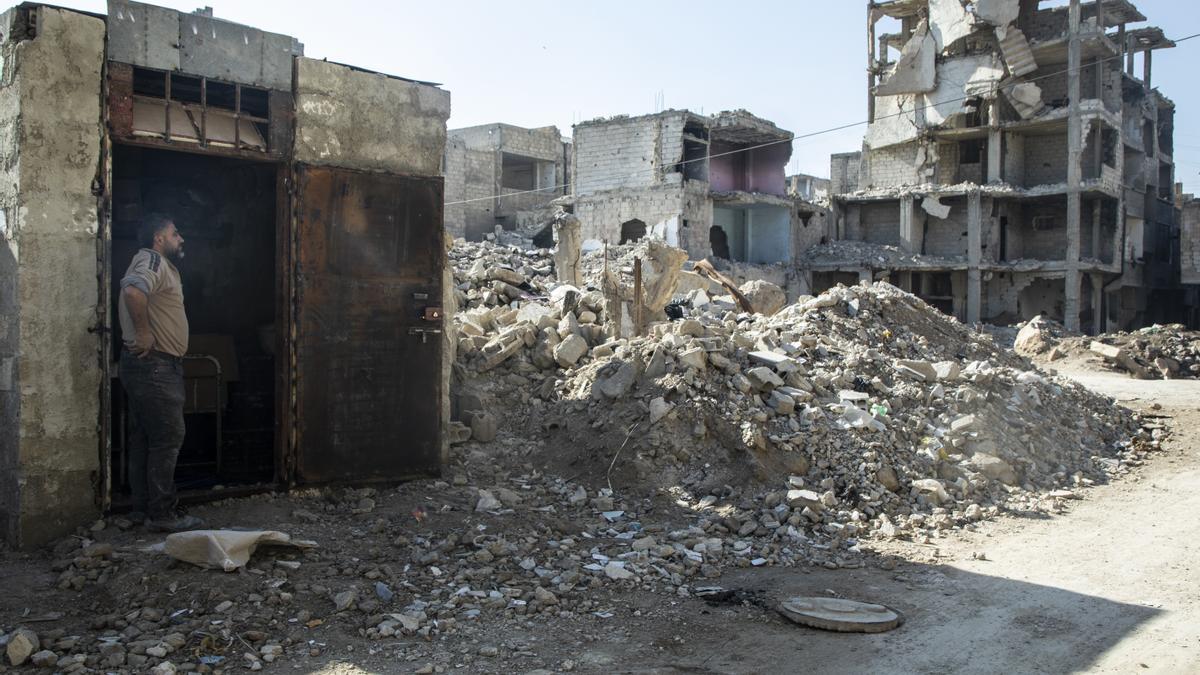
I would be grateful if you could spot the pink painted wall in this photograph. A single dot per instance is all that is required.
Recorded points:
(758, 170)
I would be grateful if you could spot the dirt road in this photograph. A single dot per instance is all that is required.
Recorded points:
(1111, 586)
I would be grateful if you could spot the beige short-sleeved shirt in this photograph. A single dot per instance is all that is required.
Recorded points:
(155, 276)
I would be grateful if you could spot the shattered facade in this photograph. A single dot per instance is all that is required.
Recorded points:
(1016, 163)
(809, 188)
(714, 186)
(502, 175)
(289, 178)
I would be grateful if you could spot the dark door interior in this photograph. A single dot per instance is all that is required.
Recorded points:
(369, 260)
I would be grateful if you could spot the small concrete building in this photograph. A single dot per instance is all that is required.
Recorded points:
(1017, 163)
(502, 175)
(310, 197)
(713, 185)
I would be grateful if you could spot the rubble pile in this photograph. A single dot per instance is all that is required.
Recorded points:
(860, 411)
(1155, 352)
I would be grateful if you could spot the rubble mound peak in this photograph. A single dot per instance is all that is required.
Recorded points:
(862, 410)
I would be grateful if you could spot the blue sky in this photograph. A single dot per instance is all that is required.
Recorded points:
(800, 63)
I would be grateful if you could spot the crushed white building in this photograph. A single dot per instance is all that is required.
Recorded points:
(1018, 162)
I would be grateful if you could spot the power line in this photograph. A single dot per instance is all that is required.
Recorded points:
(842, 127)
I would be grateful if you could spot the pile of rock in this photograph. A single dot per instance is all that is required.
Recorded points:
(1155, 352)
(860, 410)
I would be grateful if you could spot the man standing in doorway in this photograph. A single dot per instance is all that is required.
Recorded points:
(155, 331)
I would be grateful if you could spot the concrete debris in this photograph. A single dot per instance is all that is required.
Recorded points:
(1026, 97)
(799, 393)
(1155, 352)
(1017, 53)
(765, 297)
(934, 207)
(21, 646)
(949, 21)
(999, 13)
(916, 70)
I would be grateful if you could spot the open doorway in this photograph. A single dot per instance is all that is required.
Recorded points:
(225, 209)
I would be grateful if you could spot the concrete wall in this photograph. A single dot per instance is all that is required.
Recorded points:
(627, 152)
(844, 172)
(600, 215)
(880, 223)
(1190, 243)
(350, 118)
(50, 373)
(1045, 160)
(947, 237)
(454, 167)
(894, 165)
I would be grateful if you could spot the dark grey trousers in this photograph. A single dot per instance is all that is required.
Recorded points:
(154, 386)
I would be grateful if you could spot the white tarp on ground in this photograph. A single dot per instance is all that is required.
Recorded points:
(224, 549)
(901, 118)
(949, 22)
(916, 70)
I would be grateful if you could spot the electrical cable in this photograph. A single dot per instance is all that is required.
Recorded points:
(842, 127)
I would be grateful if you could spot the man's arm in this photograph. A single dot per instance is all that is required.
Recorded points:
(136, 302)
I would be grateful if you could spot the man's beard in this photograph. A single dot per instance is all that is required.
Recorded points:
(177, 255)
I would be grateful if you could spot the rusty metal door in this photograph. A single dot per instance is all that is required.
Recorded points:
(368, 343)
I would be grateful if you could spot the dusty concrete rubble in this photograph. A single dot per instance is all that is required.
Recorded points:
(1154, 352)
(874, 410)
(719, 440)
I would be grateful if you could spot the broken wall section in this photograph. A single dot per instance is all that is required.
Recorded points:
(50, 360)
(360, 120)
(1189, 243)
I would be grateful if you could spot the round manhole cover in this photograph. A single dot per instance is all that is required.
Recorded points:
(846, 616)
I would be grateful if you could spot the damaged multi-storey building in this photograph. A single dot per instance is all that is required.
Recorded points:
(1018, 162)
(714, 186)
(310, 197)
(502, 175)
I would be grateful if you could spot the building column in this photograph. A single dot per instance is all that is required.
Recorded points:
(974, 255)
(908, 236)
(1097, 303)
(1072, 280)
(995, 147)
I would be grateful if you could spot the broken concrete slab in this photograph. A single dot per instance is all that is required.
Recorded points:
(916, 70)
(934, 207)
(949, 22)
(1026, 98)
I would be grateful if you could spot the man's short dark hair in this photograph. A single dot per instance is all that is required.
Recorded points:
(152, 224)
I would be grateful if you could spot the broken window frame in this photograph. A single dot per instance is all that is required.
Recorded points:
(203, 109)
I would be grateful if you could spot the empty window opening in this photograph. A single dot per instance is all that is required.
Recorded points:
(225, 210)
(632, 230)
(1166, 130)
(760, 234)
(695, 161)
(518, 172)
(1108, 147)
(1166, 178)
(976, 112)
(1148, 137)
(719, 241)
(972, 152)
(935, 288)
(191, 109)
